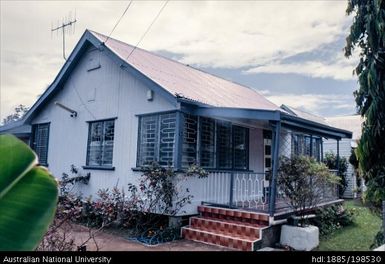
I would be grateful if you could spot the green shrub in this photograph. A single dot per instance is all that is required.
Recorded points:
(332, 218)
(144, 208)
(331, 162)
(303, 181)
(379, 239)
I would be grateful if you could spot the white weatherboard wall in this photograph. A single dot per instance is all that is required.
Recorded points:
(345, 151)
(106, 92)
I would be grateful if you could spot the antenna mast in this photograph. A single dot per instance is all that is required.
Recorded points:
(63, 27)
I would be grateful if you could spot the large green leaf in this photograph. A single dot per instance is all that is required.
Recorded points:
(28, 196)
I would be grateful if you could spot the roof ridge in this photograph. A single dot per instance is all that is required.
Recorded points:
(185, 65)
(306, 112)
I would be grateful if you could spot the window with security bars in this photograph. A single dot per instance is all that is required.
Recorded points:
(167, 125)
(156, 139)
(207, 142)
(100, 143)
(40, 138)
(189, 148)
(214, 144)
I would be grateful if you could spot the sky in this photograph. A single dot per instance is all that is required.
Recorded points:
(290, 51)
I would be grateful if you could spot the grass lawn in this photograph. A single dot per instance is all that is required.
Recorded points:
(358, 236)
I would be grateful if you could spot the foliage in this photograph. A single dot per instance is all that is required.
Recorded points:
(376, 189)
(195, 170)
(331, 218)
(331, 161)
(367, 35)
(71, 209)
(28, 196)
(379, 239)
(303, 181)
(20, 111)
(353, 159)
(160, 193)
(355, 237)
(144, 209)
(67, 182)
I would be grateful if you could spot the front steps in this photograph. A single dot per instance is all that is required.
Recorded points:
(232, 228)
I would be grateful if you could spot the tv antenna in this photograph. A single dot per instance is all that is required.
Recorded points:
(67, 26)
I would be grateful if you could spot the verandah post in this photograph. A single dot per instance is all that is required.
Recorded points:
(338, 164)
(178, 140)
(231, 190)
(275, 161)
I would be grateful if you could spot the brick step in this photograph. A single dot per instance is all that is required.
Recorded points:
(214, 238)
(226, 227)
(234, 214)
(230, 221)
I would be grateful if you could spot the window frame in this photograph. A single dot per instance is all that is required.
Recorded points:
(177, 163)
(300, 146)
(216, 156)
(158, 115)
(99, 167)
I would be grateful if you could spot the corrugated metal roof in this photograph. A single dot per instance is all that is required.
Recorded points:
(187, 82)
(305, 115)
(352, 123)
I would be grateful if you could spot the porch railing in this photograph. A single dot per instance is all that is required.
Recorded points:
(250, 190)
(236, 189)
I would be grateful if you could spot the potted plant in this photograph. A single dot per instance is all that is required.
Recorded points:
(303, 181)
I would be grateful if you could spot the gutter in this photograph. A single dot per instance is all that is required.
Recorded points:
(299, 120)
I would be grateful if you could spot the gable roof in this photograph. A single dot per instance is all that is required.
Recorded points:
(305, 115)
(186, 82)
(173, 80)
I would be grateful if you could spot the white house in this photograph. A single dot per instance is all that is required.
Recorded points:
(114, 108)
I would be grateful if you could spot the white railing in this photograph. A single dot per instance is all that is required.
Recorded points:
(241, 189)
(250, 190)
(217, 188)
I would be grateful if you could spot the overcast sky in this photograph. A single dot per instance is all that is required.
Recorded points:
(289, 51)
